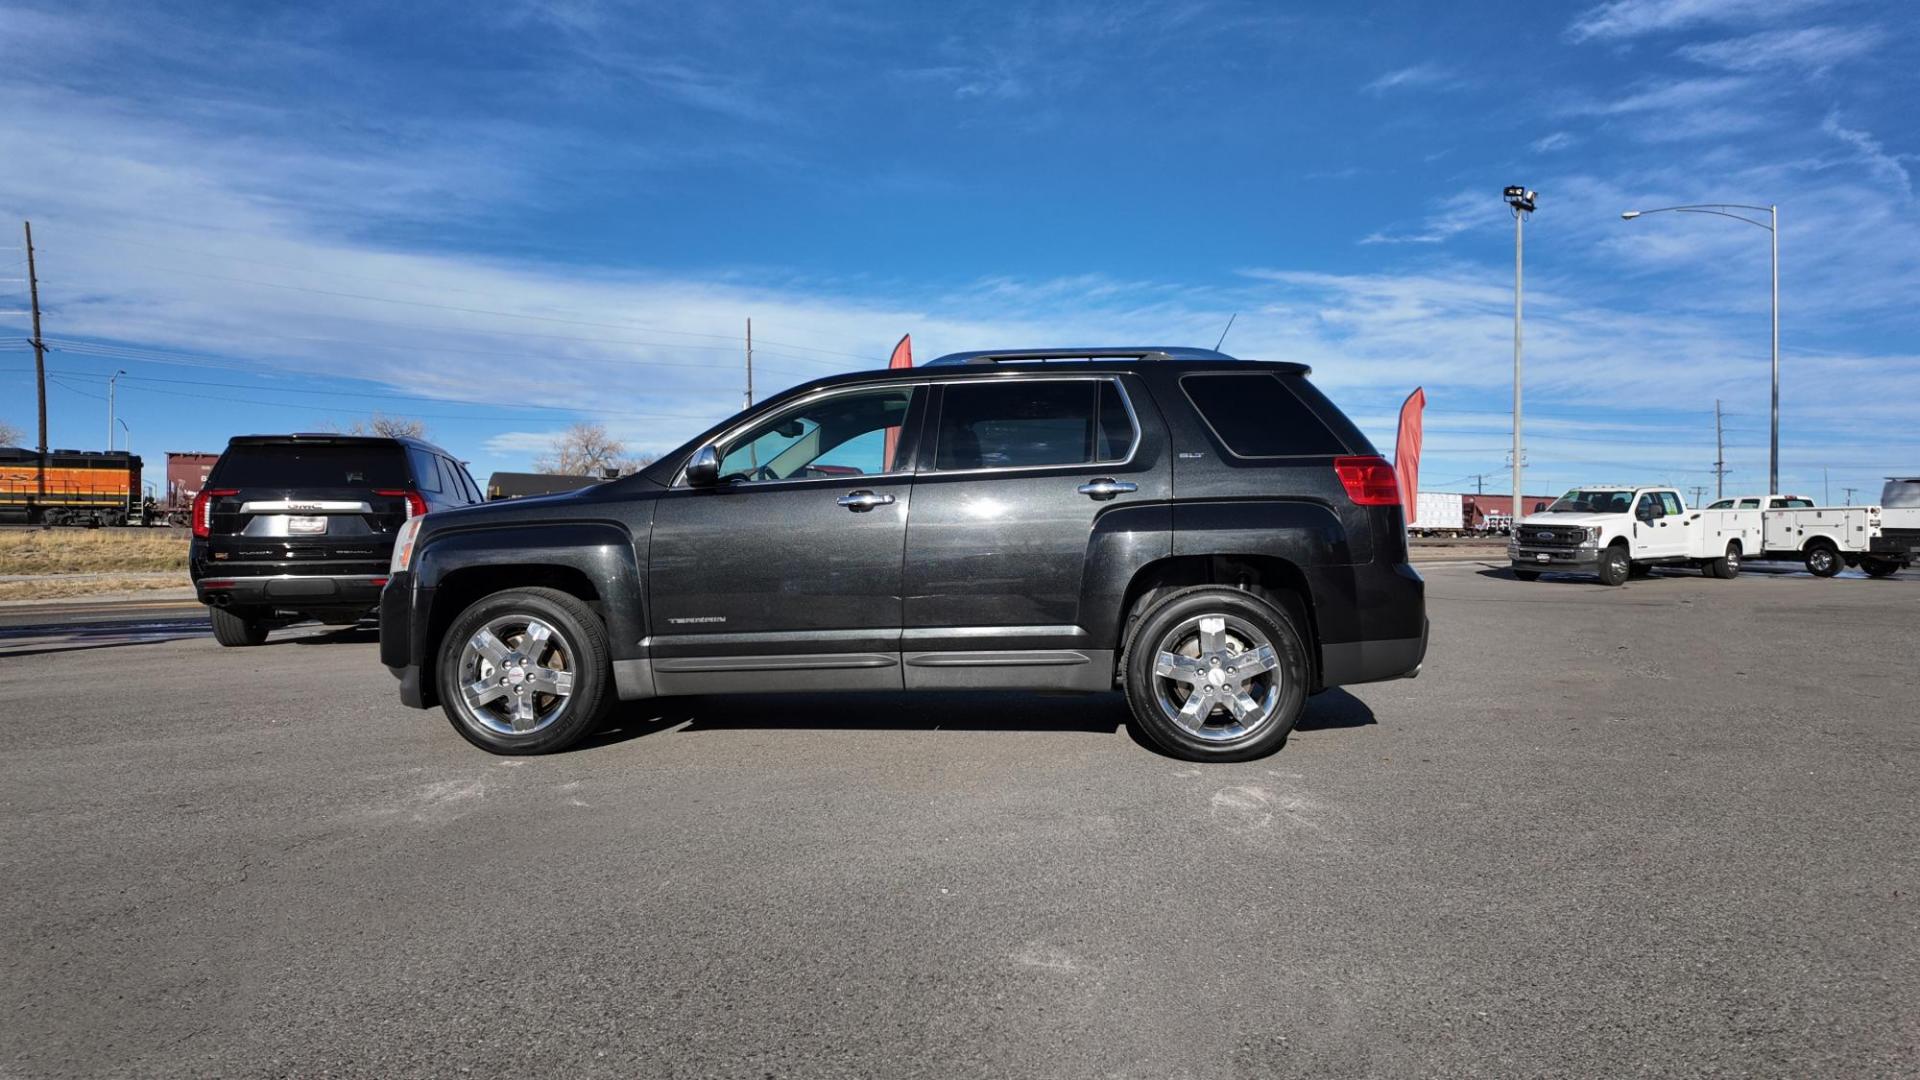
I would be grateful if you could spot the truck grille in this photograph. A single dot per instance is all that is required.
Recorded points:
(1551, 535)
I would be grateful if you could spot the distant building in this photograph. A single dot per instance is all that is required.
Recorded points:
(520, 485)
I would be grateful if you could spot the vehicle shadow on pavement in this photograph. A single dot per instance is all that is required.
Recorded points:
(952, 711)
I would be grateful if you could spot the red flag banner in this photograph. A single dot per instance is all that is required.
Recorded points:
(902, 357)
(1406, 452)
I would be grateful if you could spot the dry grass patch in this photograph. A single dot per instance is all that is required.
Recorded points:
(91, 551)
(62, 588)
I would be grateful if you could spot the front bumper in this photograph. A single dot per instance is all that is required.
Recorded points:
(403, 627)
(293, 591)
(1581, 559)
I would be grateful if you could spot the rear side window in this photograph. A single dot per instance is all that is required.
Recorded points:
(1670, 502)
(426, 470)
(1025, 423)
(292, 465)
(1254, 415)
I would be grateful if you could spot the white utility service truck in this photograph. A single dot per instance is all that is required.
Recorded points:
(1618, 532)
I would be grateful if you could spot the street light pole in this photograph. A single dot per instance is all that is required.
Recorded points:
(1772, 225)
(111, 381)
(1520, 201)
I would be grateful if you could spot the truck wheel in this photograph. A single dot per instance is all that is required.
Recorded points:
(236, 627)
(1527, 575)
(1879, 568)
(1726, 567)
(1822, 559)
(1216, 674)
(1615, 566)
(525, 672)
(1638, 570)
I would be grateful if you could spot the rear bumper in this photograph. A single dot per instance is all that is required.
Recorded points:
(296, 592)
(1391, 600)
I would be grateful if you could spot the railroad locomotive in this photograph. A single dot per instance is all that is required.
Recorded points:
(81, 487)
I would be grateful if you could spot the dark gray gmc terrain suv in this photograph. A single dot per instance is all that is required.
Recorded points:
(1212, 535)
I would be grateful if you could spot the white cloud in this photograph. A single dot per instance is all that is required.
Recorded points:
(1455, 215)
(1559, 140)
(1416, 77)
(1811, 47)
(1868, 149)
(1622, 19)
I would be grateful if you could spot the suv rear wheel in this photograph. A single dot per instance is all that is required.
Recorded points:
(237, 626)
(525, 671)
(1215, 674)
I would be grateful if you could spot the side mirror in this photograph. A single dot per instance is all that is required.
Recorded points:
(704, 469)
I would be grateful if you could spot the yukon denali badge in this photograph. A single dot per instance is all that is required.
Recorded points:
(699, 619)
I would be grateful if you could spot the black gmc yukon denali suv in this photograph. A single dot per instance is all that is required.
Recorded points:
(1212, 535)
(295, 527)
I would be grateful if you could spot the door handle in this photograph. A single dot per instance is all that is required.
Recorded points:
(1106, 487)
(862, 501)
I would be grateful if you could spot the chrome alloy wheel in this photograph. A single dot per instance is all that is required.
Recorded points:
(516, 674)
(1217, 677)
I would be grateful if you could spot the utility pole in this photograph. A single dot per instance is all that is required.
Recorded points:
(1719, 455)
(1479, 483)
(1520, 201)
(1826, 489)
(1849, 492)
(1698, 491)
(39, 362)
(749, 363)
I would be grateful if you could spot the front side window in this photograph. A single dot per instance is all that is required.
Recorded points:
(1027, 423)
(1723, 504)
(851, 434)
(1648, 507)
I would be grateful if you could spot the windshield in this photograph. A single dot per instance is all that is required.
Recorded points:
(1593, 501)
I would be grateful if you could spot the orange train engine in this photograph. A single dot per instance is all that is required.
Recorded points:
(76, 487)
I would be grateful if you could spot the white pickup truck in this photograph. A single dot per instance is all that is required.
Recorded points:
(1618, 532)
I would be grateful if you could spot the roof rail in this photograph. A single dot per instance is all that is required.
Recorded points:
(1135, 352)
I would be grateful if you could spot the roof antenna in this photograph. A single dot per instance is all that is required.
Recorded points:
(1223, 333)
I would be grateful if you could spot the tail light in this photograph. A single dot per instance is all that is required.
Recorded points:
(1369, 480)
(203, 509)
(416, 505)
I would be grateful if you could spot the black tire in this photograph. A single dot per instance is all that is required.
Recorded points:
(1614, 565)
(583, 641)
(1726, 567)
(1527, 575)
(1879, 568)
(237, 627)
(1823, 560)
(1282, 692)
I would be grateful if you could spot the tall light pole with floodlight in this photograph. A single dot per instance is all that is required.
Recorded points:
(1520, 201)
(1772, 225)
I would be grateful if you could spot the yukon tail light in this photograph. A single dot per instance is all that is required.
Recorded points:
(1369, 480)
(416, 505)
(203, 509)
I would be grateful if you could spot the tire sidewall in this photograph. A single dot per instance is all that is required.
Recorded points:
(591, 674)
(1822, 561)
(1288, 645)
(1615, 567)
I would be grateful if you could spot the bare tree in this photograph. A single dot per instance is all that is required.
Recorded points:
(587, 450)
(393, 427)
(10, 435)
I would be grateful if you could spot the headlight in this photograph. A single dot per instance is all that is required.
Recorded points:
(1593, 534)
(403, 546)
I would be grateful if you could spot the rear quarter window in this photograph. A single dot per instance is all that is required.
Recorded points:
(1256, 415)
(292, 465)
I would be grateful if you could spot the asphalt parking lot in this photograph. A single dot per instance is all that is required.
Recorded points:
(1665, 830)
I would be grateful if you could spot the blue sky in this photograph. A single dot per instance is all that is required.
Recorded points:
(505, 218)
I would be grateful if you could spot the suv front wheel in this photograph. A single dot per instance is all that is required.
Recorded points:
(525, 671)
(1216, 674)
